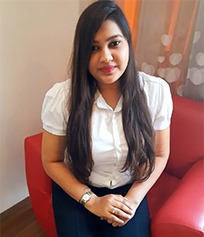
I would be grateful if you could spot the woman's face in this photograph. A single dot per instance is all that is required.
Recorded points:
(110, 54)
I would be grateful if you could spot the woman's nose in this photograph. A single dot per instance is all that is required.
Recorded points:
(106, 56)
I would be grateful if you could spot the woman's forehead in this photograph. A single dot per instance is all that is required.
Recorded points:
(108, 30)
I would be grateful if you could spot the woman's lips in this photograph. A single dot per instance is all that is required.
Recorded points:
(107, 69)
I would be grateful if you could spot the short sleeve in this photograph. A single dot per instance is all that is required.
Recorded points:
(164, 108)
(54, 113)
(159, 100)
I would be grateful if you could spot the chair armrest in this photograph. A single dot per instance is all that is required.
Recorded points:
(37, 179)
(39, 184)
(183, 213)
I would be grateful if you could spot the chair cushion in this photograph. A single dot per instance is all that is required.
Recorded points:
(160, 192)
(187, 135)
(183, 212)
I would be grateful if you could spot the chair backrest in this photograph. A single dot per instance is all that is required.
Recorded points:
(187, 135)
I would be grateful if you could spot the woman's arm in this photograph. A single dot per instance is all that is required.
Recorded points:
(138, 190)
(53, 148)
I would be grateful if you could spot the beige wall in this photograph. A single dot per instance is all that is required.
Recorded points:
(35, 44)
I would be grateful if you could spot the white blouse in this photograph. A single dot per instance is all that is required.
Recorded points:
(109, 147)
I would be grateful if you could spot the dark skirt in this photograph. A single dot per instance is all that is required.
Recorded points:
(73, 220)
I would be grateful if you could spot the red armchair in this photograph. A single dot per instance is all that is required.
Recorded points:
(176, 201)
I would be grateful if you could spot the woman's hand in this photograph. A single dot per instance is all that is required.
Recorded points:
(134, 207)
(115, 209)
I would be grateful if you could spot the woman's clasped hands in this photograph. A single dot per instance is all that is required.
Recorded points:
(115, 209)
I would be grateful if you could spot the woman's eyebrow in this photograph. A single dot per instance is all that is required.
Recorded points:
(110, 38)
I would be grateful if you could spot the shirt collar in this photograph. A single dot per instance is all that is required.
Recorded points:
(101, 103)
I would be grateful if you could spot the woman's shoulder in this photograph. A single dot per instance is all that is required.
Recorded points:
(152, 82)
(159, 99)
(54, 109)
(59, 89)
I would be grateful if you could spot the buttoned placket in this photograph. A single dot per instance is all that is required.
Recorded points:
(112, 118)
(115, 144)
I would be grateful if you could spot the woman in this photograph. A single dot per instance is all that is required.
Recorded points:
(106, 132)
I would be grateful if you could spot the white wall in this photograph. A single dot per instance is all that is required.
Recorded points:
(35, 44)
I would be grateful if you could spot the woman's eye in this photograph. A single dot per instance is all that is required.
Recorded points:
(94, 48)
(115, 43)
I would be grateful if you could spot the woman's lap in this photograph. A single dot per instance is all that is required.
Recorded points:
(73, 220)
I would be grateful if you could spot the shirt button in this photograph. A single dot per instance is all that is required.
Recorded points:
(111, 183)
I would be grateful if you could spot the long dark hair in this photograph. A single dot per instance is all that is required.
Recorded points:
(135, 114)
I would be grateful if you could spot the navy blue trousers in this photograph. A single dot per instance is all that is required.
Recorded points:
(73, 220)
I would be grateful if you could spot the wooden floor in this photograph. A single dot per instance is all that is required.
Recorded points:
(20, 221)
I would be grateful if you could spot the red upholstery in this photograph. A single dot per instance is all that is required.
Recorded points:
(176, 201)
(39, 185)
(183, 213)
(187, 144)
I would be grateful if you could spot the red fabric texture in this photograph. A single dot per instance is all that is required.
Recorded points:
(187, 135)
(160, 192)
(39, 185)
(176, 201)
(183, 213)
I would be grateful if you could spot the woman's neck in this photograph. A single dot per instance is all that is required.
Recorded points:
(111, 94)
